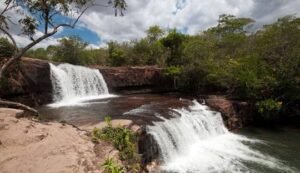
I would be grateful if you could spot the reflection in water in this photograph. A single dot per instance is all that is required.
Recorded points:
(93, 111)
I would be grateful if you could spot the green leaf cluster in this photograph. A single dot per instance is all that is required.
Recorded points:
(123, 140)
(110, 166)
(6, 48)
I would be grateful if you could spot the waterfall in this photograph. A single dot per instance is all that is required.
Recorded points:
(196, 141)
(73, 84)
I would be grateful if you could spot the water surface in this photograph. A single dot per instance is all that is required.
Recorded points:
(207, 149)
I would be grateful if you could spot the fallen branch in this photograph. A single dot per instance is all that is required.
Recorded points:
(28, 110)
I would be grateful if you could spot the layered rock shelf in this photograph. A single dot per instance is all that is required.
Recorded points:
(29, 82)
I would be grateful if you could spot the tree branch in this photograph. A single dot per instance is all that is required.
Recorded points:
(21, 52)
(15, 105)
(47, 34)
(75, 22)
(6, 8)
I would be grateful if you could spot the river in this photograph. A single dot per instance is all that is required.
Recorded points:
(192, 138)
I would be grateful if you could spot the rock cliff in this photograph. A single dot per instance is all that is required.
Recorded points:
(29, 81)
(135, 79)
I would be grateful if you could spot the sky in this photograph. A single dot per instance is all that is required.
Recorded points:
(99, 25)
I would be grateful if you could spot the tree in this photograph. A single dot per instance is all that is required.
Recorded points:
(278, 45)
(174, 41)
(43, 14)
(154, 33)
(6, 48)
(116, 54)
(39, 53)
(70, 50)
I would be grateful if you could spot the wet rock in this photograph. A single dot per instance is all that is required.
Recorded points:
(235, 114)
(148, 148)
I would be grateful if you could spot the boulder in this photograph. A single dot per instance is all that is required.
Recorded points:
(236, 114)
(28, 82)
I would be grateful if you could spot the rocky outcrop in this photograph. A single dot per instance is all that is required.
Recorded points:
(136, 79)
(235, 114)
(28, 82)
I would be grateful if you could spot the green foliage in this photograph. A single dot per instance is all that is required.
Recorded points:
(123, 140)
(252, 79)
(117, 55)
(70, 50)
(154, 33)
(248, 66)
(174, 41)
(110, 166)
(229, 24)
(6, 48)
(269, 107)
(173, 71)
(278, 45)
(39, 53)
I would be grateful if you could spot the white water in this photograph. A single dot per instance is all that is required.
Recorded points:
(73, 85)
(196, 141)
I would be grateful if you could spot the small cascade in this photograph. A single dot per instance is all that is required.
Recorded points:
(196, 141)
(72, 84)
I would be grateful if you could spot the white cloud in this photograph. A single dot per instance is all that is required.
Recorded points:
(194, 15)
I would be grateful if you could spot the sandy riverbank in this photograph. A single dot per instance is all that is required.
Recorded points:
(29, 146)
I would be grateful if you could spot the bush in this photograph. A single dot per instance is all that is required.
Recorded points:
(6, 48)
(268, 108)
(110, 166)
(123, 140)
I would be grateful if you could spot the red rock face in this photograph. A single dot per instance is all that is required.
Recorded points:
(235, 114)
(135, 79)
(28, 82)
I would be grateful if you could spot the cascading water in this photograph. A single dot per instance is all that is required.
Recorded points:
(196, 141)
(72, 84)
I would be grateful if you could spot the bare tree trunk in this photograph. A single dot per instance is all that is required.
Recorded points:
(30, 111)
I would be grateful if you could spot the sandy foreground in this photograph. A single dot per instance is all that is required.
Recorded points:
(28, 146)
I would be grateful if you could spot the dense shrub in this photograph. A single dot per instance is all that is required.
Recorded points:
(6, 48)
(110, 166)
(269, 108)
(123, 140)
